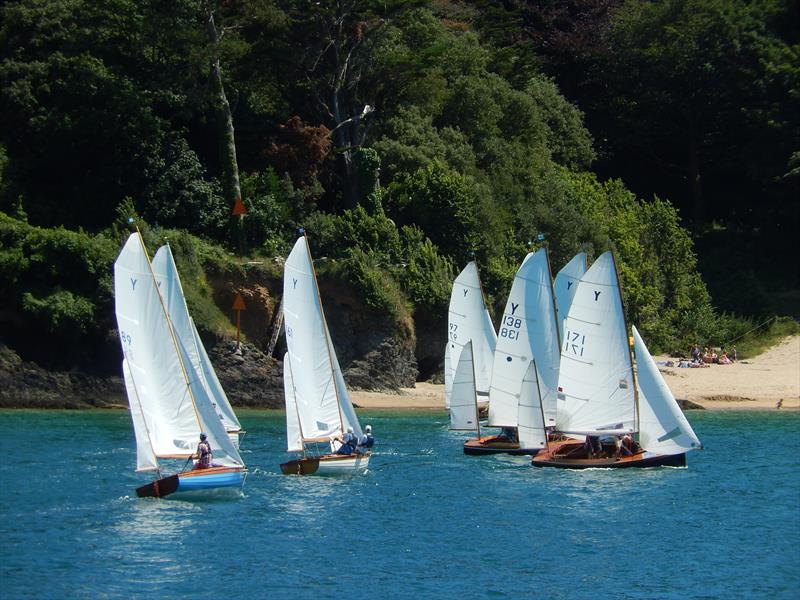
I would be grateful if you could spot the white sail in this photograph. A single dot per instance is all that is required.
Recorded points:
(596, 392)
(169, 284)
(209, 421)
(323, 407)
(294, 437)
(663, 428)
(468, 320)
(531, 429)
(147, 344)
(564, 286)
(448, 376)
(214, 387)
(463, 405)
(145, 458)
(528, 331)
(168, 398)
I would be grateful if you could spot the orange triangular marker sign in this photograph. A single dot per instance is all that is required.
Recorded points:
(238, 303)
(238, 207)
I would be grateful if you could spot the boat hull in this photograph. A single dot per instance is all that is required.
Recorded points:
(329, 464)
(228, 480)
(573, 456)
(491, 445)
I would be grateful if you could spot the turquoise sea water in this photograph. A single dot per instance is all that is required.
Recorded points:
(425, 521)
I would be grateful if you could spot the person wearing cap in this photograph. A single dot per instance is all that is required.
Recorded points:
(203, 454)
(348, 441)
(366, 442)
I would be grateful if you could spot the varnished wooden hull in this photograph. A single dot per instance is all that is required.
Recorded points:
(198, 481)
(329, 464)
(572, 455)
(491, 445)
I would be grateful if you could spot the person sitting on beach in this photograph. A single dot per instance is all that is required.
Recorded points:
(723, 359)
(707, 356)
(203, 455)
(696, 353)
(348, 441)
(366, 442)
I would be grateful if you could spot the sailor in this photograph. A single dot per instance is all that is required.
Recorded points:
(508, 434)
(367, 441)
(348, 441)
(203, 454)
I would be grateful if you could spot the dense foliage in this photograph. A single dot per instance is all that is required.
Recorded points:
(406, 137)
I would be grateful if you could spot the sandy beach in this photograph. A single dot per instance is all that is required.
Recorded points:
(757, 383)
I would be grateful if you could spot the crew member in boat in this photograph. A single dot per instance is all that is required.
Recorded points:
(508, 434)
(348, 441)
(366, 442)
(203, 455)
(593, 446)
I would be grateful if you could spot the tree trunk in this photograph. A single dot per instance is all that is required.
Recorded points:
(227, 140)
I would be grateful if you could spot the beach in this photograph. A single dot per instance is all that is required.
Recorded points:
(756, 383)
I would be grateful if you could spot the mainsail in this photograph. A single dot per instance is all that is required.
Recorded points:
(468, 320)
(169, 284)
(528, 332)
(663, 428)
(564, 286)
(169, 406)
(596, 388)
(322, 403)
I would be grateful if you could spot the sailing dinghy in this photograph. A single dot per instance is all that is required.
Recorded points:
(318, 408)
(468, 320)
(525, 370)
(169, 284)
(169, 405)
(625, 422)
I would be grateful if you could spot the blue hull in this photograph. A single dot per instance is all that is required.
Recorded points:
(211, 481)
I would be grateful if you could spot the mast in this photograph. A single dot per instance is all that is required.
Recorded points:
(171, 332)
(553, 299)
(628, 347)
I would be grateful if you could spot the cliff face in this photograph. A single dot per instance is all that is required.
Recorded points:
(375, 352)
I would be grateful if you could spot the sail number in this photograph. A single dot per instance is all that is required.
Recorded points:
(573, 343)
(452, 333)
(510, 327)
(126, 338)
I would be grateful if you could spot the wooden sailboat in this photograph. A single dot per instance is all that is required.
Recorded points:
(318, 408)
(468, 320)
(169, 405)
(169, 285)
(600, 401)
(528, 339)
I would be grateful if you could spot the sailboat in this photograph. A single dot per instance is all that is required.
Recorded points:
(169, 284)
(599, 395)
(526, 363)
(468, 320)
(318, 408)
(169, 406)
